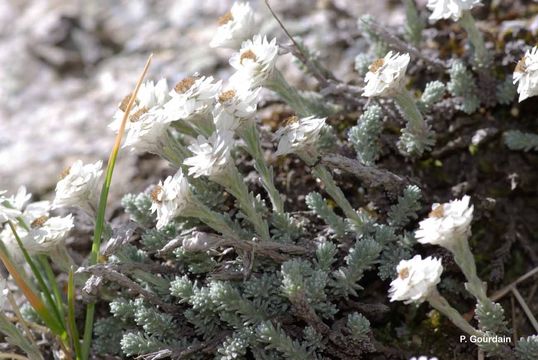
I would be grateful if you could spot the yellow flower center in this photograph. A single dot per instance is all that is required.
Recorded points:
(65, 172)
(404, 273)
(437, 212)
(249, 54)
(138, 114)
(227, 96)
(376, 65)
(125, 102)
(290, 120)
(226, 18)
(155, 193)
(521, 67)
(184, 85)
(37, 223)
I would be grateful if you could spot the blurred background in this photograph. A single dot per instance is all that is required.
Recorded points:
(66, 64)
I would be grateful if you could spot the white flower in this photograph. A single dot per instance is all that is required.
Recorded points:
(526, 74)
(79, 186)
(192, 96)
(386, 76)
(210, 156)
(8, 211)
(447, 223)
(47, 233)
(20, 199)
(171, 198)
(299, 135)
(150, 98)
(255, 61)
(416, 279)
(148, 134)
(444, 9)
(41, 232)
(423, 358)
(235, 106)
(235, 26)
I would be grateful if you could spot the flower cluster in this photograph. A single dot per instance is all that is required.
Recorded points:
(386, 76)
(526, 74)
(446, 223)
(446, 9)
(416, 279)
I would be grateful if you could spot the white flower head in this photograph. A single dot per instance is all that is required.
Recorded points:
(171, 198)
(255, 62)
(79, 186)
(423, 358)
(210, 156)
(526, 74)
(47, 233)
(236, 26)
(386, 76)
(299, 135)
(416, 279)
(8, 209)
(148, 134)
(235, 106)
(447, 223)
(193, 96)
(150, 98)
(445, 9)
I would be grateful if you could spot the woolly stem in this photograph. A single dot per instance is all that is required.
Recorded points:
(465, 260)
(475, 37)
(291, 96)
(332, 189)
(249, 133)
(234, 183)
(439, 303)
(410, 111)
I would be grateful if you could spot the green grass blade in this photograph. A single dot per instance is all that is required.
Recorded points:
(71, 321)
(57, 325)
(100, 220)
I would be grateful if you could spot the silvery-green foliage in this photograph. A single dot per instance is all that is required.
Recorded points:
(518, 140)
(228, 298)
(313, 340)
(361, 257)
(414, 24)
(195, 262)
(406, 209)
(277, 339)
(138, 206)
(137, 343)
(265, 292)
(380, 47)
(15, 337)
(154, 240)
(433, 92)
(325, 255)
(415, 143)
(527, 348)
(358, 325)
(299, 278)
(286, 228)
(236, 345)
(122, 309)
(328, 140)
(463, 86)
(108, 333)
(318, 205)
(390, 259)
(363, 62)
(365, 135)
(490, 317)
(506, 91)
(153, 321)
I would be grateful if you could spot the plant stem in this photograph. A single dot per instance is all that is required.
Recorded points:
(234, 183)
(475, 37)
(100, 221)
(249, 133)
(441, 304)
(290, 95)
(465, 260)
(336, 193)
(411, 112)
